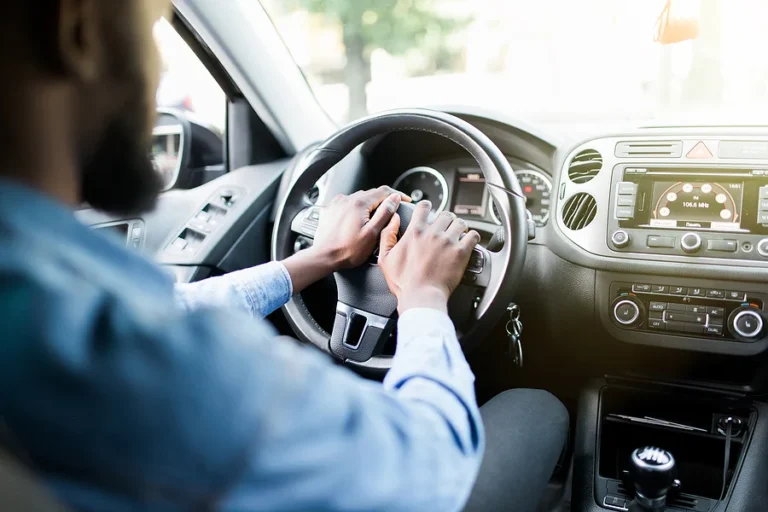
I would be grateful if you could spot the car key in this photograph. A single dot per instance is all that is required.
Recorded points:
(514, 328)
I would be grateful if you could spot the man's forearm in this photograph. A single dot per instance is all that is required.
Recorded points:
(309, 266)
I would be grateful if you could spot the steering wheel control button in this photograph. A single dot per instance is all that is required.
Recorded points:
(748, 323)
(661, 242)
(620, 239)
(641, 288)
(762, 247)
(691, 242)
(476, 262)
(722, 245)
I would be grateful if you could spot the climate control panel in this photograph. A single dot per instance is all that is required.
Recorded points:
(713, 313)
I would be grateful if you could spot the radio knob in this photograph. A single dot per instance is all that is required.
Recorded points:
(691, 242)
(620, 239)
(627, 311)
(747, 323)
(762, 247)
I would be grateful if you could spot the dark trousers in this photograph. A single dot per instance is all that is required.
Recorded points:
(525, 431)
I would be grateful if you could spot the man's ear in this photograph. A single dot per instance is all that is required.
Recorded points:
(79, 39)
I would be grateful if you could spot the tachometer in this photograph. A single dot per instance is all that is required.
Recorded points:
(537, 188)
(424, 183)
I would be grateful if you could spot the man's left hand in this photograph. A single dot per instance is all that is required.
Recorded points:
(346, 235)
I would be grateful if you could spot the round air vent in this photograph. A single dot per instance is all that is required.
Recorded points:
(579, 211)
(585, 166)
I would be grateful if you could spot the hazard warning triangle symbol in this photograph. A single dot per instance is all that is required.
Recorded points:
(700, 150)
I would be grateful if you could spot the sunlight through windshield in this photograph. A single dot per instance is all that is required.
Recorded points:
(548, 61)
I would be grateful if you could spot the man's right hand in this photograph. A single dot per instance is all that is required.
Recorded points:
(426, 265)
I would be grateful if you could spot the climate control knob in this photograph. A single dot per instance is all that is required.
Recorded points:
(747, 323)
(762, 247)
(691, 242)
(627, 311)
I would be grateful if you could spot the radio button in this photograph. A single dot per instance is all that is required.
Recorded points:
(715, 294)
(763, 205)
(762, 218)
(656, 288)
(763, 192)
(733, 295)
(627, 188)
(691, 242)
(722, 245)
(678, 290)
(625, 201)
(641, 288)
(665, 242)
(620, 238)
(658, 306)
(626, 212)
(714, 329)
(697, 292)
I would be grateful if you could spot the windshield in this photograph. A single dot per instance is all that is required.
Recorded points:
(548, 61)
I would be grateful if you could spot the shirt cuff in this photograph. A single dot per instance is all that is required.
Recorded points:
(266, 287)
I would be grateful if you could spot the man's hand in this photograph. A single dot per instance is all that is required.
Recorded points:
(427, 264)
(346, 235)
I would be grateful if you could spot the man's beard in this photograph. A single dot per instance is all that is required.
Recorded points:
(118, 177)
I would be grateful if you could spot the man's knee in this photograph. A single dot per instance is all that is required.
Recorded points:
(531, 407)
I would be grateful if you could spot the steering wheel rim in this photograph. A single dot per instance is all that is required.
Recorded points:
(505, 266)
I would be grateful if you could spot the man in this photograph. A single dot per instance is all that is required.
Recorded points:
(124, 393)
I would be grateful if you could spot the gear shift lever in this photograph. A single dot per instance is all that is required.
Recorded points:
(652, 471)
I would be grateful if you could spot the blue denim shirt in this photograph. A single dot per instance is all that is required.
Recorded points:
(126, 392)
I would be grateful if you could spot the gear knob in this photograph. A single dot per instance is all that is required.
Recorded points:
(652, 471)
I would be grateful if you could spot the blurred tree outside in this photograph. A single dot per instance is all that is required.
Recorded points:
(395, 26)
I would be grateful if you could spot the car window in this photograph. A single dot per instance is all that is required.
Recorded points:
(185, 83)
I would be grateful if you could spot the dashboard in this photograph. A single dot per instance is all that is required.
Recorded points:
(458, 186)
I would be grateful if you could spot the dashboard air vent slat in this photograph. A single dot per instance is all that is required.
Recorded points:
(649, 148)
(585, 166)
(579, 211)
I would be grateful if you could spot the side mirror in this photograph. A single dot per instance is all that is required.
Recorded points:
(677, 22)
(185, 152)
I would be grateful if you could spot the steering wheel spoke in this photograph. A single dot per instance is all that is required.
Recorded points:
(358, 335)
(305, 222)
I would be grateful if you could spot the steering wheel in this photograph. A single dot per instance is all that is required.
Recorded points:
(366, 309)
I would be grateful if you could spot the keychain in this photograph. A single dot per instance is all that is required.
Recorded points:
(514, 330)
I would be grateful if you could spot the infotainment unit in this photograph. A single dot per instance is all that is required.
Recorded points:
(690, 210)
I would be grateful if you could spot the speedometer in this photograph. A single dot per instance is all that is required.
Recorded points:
(537, 188)
(424, 183)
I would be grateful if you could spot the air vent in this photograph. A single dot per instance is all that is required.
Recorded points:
(585, 166)
(679, 500)
(579, 211)
(649, 148)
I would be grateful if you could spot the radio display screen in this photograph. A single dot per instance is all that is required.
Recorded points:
(697, 205)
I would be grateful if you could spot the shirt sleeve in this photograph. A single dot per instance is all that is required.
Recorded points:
(157, 407)
(259, 290)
